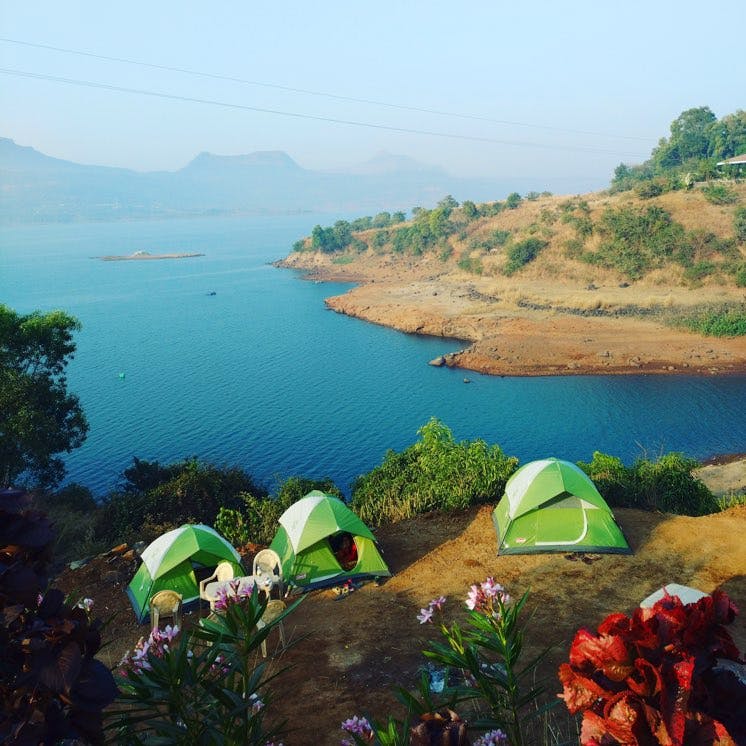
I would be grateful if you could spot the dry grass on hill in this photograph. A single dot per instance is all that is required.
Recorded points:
(349, 653)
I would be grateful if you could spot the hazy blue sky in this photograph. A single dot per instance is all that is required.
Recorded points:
(613, 74)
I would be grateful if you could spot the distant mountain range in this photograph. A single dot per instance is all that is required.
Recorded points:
(38, 188)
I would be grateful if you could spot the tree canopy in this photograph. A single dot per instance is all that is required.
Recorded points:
(698, 140)
(39, 418)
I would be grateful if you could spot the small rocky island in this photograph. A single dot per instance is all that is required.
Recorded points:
(143, 255)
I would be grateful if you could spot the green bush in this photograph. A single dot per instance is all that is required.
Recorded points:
(513, 200)
(521, 253)
(729, 321)
(256, 520)
(184, 492)
(666, 484)
(634, 241)
(649, 189)
(739, 224)
(740, 275)
(471, 264)
(435, 473)
(699, 270)
(499, 237)
(719, 194)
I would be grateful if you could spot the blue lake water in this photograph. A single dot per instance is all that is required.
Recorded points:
(261, 375)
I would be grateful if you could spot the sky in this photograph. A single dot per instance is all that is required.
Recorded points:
(492, 89)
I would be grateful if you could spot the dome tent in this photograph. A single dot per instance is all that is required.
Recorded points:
(553, 506)
(168, 564)
(302, 542)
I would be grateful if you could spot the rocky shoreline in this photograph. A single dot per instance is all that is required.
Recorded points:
(530, 330)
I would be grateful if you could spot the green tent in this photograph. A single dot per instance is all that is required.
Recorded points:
(169, 563)
(302, 542)
(553, 506)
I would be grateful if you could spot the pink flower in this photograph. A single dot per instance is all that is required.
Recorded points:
(482, 597)
(358, 727)
(438, 603)
(492, 738)
(425, 615)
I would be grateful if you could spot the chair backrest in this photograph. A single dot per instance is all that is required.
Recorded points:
(224, 571)
(268, 561)
(163, 604)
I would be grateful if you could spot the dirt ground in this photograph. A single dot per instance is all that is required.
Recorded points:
(347, 654)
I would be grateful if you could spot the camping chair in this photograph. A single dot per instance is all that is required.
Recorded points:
(267, 562)
(163, 604)
(223, 572)
(273, 610)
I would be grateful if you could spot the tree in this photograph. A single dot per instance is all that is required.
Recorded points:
(39, 419)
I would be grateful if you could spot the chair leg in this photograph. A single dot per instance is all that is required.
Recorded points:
(281, 630)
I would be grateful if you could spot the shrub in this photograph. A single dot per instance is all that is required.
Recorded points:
(666, 484)
(729, 321)
(649, 189)
(740, 275)
(574, 248)
(205, 687)
(256, 519)
(699, 270)
(521, 253)
(471, 264)
(187, 491)
(435, 473)
(634, 241)
(513, 200)
(52, 688)
(663, 675)
(719, 194)
(739, 224)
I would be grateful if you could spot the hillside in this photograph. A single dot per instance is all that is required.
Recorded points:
(348, 654)
(598, 283)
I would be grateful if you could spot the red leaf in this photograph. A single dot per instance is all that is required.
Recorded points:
(608, 653)
(579, 692)
(614, 624)
(677, 684)
(625, 720)
(645, 679)
(593, 729)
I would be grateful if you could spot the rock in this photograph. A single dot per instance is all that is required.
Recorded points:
(623, 284)
(77, 564)
(438, 362)
(467, 380)
(139, 546)
(129, 556)
(605, 353)
(591, 286)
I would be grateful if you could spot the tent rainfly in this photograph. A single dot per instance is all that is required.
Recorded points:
(168, 563)
(302, 542)
(553, 506)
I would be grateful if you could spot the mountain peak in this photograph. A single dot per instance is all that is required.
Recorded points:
(276, 159)
(390, 163)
